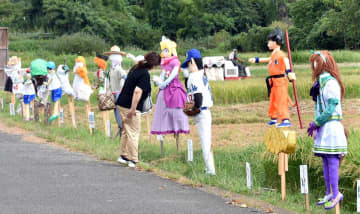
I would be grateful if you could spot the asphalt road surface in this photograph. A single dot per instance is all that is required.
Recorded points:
(43, 179)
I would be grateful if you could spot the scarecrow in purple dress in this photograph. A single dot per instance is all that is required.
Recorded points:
(169, 117)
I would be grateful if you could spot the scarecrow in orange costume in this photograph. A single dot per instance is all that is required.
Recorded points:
(279, 68)
(100, 61)
(81, 84)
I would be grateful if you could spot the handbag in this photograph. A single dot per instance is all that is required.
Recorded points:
(147, 105)
(106, 101)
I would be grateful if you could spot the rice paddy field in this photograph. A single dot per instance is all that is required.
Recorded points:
(239, 123)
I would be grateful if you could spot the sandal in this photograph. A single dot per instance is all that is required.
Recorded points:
(322, 201)
(331, 204)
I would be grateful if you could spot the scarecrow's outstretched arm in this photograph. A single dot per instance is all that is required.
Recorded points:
(291, 75)
(259, 60)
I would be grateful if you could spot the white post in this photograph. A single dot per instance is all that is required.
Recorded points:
(190, 150)
(92, 122)
(248, 176)
(161, 139)
(2, 104)
(358, 196)
(304, 179)
(61, 115)
(12, 109)
(31, 112)
(19, 107)
(304, 183)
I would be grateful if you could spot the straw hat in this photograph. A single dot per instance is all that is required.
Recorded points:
(14, 60)
(115, 50)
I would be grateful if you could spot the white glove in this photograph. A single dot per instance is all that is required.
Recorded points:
(157, 80)
(291, 76)
(162, 85)
(185, 72)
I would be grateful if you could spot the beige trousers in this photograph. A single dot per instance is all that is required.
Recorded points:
(130, 134)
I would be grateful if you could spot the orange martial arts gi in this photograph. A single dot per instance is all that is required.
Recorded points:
(278, 87)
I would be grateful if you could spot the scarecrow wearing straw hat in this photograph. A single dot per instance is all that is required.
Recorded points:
(117, 76)
(279, 68)
(16, 76)
(14, 83)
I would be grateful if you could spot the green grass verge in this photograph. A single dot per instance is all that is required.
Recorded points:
(229, 163)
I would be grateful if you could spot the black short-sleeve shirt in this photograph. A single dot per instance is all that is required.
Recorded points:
(136, 78)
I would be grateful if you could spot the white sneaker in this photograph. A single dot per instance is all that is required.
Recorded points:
(121, 160)
(131, 164)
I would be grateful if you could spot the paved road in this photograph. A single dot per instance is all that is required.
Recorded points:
(41, 179)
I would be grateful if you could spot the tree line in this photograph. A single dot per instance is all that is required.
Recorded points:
(316, 24)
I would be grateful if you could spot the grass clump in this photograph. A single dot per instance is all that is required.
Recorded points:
(80, 44)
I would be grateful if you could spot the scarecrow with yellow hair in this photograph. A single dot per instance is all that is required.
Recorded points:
(81, 83)
(169, 117)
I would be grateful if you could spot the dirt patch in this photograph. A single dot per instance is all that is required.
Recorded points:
(26, 135)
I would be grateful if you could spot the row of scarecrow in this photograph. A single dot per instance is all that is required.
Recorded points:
(34, 86)
(327, 92)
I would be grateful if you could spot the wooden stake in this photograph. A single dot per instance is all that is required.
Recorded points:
(87, 113)
(337, 208)
(47, 113)
(59, 119)
(281, 163)
(283, 187)
(72, 110)
(148, 126)
(2, 103)
(41, 112)
(281, 169)
(162, 147)
(307, 202)
(106, 123)
(32, 110)
(22, 110)
(177, 137)
(13, 98)
(36, 111)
